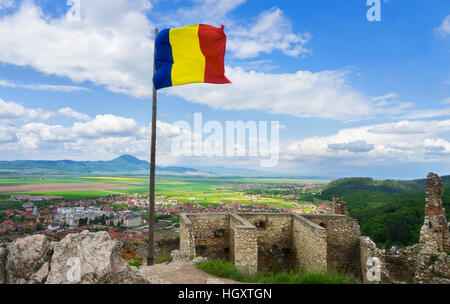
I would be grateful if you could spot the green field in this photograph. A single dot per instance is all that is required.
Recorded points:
(201, 190)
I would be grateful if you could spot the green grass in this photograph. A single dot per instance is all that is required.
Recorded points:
(164, 259)
(227, 270)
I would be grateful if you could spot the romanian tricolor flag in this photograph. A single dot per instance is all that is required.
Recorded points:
(190, 54)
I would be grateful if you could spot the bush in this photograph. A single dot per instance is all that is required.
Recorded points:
(227, 270)
(164, 259)
(134, 262)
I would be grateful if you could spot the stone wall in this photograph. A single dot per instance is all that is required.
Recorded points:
(338, 206)
(425, 262)
(187, 242)
(209, 233)
(368, 249)
(274, 231)
(256, 241)
(310, 244)
(244, 244)
(343, 234)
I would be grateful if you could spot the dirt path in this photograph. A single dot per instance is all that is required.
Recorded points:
(182, 273)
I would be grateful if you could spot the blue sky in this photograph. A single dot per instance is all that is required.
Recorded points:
(353, 97)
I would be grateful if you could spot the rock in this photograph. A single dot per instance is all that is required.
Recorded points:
(26, 257)
(3, 253)
(213, 281)
(199, 259)
(179, 256)
(41, 275)
(90, 258)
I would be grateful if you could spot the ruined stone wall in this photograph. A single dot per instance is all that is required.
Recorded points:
(338, 206)
(310, 244)
(274, 231)
(244, 244)
(211, 235)
(342, 234)
(187, 242)
(434, 232)
(368, 249)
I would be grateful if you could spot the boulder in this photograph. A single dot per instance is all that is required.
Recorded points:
(25, 257)
(90, 258)
(3, 254)
(179, 256)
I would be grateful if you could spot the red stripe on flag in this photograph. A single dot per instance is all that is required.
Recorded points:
(212, 44)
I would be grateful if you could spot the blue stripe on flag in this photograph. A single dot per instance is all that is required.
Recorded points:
(163, 61)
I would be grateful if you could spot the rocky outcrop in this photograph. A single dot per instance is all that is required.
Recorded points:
(3, 254)
(179, 256)
(25, 257)
(84, 258)
(90, 258)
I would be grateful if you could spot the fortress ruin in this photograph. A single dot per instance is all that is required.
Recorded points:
(330, 242)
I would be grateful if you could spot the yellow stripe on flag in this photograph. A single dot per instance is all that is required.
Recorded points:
(189, 62)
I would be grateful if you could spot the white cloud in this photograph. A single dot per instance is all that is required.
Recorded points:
(6, 4)
(71, 113)
(324, 94)
(43, 87)
(111, 45)
(415, 141)
(271, 31)
(444, 29)
(7, 133)
(354, 146)
(105, 125)
(12, 110)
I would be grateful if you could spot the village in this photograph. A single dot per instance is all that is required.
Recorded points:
(124, 217)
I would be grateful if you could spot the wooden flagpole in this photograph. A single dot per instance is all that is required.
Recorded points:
(151, 200)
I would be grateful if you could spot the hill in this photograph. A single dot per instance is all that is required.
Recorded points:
(389, 211)
(124, 163)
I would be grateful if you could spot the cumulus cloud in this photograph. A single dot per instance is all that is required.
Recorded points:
(6, 4)
(111, 45)
(444, 29)
(12, 110)
(7, 134)
(71, 113)
(415, 141)
(324, 94)
(105, 125)
(271, 31)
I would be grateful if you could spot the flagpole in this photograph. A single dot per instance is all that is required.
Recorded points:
(151, 218)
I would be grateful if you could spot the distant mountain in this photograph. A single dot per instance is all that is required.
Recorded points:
(121, 164)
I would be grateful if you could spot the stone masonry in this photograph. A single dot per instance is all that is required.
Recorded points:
(260, 241)
(425, 262)
(339, 206)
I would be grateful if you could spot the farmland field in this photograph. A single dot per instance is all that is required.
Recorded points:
(201, 190)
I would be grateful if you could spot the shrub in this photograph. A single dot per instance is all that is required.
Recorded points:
(164, 259)
(134, 262)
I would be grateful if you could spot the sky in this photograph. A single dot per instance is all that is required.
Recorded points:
(353, 97)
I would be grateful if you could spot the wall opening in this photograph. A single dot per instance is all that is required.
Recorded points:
(323, 225)
(219, 233)
(260, 224)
